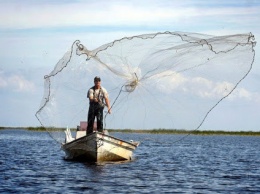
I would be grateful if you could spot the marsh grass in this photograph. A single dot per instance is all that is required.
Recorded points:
(152, 131)
(194, 132)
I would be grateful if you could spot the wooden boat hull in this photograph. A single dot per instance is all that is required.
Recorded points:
(97, 147)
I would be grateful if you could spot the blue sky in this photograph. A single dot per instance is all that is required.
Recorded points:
(34, 35)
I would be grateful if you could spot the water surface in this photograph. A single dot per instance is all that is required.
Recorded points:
(31, 162)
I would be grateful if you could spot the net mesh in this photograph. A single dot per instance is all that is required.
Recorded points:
(169, 80)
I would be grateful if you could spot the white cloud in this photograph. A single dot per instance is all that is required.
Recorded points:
(16, 83)
(82, 13)
(77, 14)
(200, 86)
(242, 93)
(208, 89)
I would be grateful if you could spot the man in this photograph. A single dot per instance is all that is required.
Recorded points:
(97, 95)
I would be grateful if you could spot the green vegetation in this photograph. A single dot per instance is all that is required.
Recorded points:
(153, 131)
(194, 132)
(36, 128)
(39, 128)
(26, 128)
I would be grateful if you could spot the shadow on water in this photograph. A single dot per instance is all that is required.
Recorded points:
(102, 163)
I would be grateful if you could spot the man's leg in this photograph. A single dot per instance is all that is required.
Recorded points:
(100, 120)
(91, 118)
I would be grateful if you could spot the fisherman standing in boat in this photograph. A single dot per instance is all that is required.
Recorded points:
(97, 95)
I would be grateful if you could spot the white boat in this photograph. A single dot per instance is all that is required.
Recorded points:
(97, 147)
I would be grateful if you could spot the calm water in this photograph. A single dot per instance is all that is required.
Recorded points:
(31, 162)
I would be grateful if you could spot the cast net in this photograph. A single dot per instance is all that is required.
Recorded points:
(169, 80)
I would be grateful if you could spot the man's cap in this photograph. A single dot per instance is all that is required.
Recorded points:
(97, 78)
